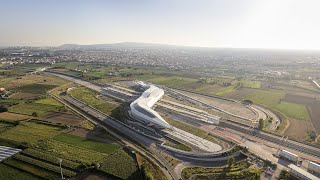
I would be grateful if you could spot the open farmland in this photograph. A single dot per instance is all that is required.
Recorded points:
(292, 110)
(119, 164)
(27, 82)
(49, 101)
(40, 172)
(69, 151)
(24, 95)
(299, 129)
(107, 148)
(30, 132)
(62, 118)
(315, 115)
(29, 108)
(7, 116)
(10, 173)
(269, 98)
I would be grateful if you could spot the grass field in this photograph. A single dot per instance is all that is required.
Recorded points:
(40, 172)
(49, 101)
(250, 83)
(172, 81)
(35, 88)
(70, 152)
(119, 164)
(270, 98)
(30, 132)
(10, 173)
(106, 148)
(178, 145)
(90, 97)
(293, 110)
(191, 129)
(29, 108)
(225, 91)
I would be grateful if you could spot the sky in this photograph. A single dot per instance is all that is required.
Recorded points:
(275, 24)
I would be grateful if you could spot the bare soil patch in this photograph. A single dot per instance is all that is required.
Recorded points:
(299, 129)
(63, 118)
(239, 93)
(299, 99)
(13, 116)
(22, 95)
(314, 112)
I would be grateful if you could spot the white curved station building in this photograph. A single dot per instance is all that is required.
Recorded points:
(141, 107)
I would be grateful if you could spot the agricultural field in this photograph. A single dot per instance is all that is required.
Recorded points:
(119, 164)
(149, 169)
(292, 110)
(40, 172)
(31, 82)
(69, 151)
(269, 98)
(239, 170)
(90, 97)
(11, 173)
(30, 108)
(106, 148)
(66, 118)
(30, 132)
(11, 117)
(172, 81)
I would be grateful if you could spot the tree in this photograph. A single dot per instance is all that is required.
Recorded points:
(262, 124)
(35, 114)
(231, 161)
(3, 108)
(313, 135)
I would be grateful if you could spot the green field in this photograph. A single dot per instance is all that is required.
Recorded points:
(270, 98)
(49, 101)
(171, 81)
(70, 152)
(119, 164)
(250, 83)
(292, 110)
(225, 91)
(106, 148)
(29, 108)
(10, 173)
(90, 97)
(191, 129)
(239, 170)
(35, 170)
(178, 145)
(35, 88)
(30, 132)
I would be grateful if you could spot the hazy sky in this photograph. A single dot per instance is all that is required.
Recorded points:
(212, 23)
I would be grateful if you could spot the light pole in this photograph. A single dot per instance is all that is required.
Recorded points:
(60, 161)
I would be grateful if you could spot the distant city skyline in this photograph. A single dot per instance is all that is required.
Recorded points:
(270, 24)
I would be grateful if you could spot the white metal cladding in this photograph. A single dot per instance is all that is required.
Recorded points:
(288, 155)
(6, 152)
(141, 107)
(314, 167)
